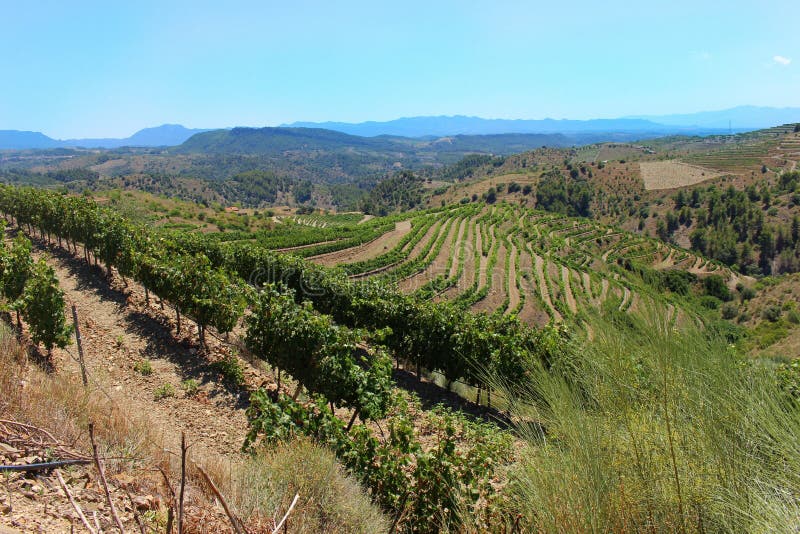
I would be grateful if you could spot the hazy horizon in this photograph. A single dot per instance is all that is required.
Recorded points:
(92, 70)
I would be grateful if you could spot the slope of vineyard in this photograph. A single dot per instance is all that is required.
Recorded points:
(506, 258)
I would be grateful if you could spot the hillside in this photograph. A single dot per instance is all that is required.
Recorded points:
(208, 326)
(675, 188)
(164, 135)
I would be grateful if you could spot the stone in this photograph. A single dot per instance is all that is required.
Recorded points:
(143, 502)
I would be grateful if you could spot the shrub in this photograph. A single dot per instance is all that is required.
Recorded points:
(42, 306)
(230, 369)
(729, 310)
(164, 391)
(715, 286)
(747, 293)
(712, 303)
(190, 387)
(143, 367)
(332, 500)
(772, 313)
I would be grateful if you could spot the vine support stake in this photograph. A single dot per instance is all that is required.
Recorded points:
(79, 341)
(99, 464)
(235, 522)
(184, 448)
(289, 511)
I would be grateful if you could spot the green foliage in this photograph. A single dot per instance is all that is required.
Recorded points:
(715, 286)
(17, 268)
(164, 391)
(190, 387)
(42, 306)
(302, 192)
(747, 293)
(143, 367)
(429, 488)
(325, 358)
(772, 313)
(231, 369)
(401, 192)
(710, 302)
(729, 310)
(697, 435)
(569, 196)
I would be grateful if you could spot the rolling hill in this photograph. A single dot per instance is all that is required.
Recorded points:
(164, 135)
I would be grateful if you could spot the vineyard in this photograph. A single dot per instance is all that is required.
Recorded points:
(348, 333)
(469, 295)
(511, 261)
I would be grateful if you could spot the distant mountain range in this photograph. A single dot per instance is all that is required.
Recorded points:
(279, 140)
(462, 125)
(738, 119)
(164, 135)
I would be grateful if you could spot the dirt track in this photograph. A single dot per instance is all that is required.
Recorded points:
(119, 331)
(367, 251)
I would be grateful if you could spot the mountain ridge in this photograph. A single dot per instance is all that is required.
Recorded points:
(733, 120)
(737, 119)
(164, 135)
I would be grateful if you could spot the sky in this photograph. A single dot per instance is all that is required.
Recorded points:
(107, 69)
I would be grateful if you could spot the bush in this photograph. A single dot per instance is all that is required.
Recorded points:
(793, 317)
(143, 367)
(230, 369)
(190, 387)
(331, 500)
(709, 302)
(164, 391)
(729, 310)
(730, 418)
(42, 306)
(771, 313)
(715, 287)
(747, 293)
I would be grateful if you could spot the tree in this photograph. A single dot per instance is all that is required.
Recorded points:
(43, 308)
(680, 199)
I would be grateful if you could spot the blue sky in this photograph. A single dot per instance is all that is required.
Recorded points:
(81, 69)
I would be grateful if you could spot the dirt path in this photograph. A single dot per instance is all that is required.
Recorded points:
(666, 261)
(587, 284)
(545, 292)
(513, 290)
(465, 278)
(495, 280)
(569, 297)
(603, 290)
(120, 331)
(484, 261)
(457, 247)
(367, 251)
(626, 295)
(472, 270)
(436, 267)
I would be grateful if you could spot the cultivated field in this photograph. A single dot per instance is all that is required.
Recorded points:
(671, 174)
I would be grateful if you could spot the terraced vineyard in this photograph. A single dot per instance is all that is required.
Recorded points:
(503, 259)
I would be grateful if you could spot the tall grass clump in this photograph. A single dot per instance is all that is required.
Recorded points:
(649, 429)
